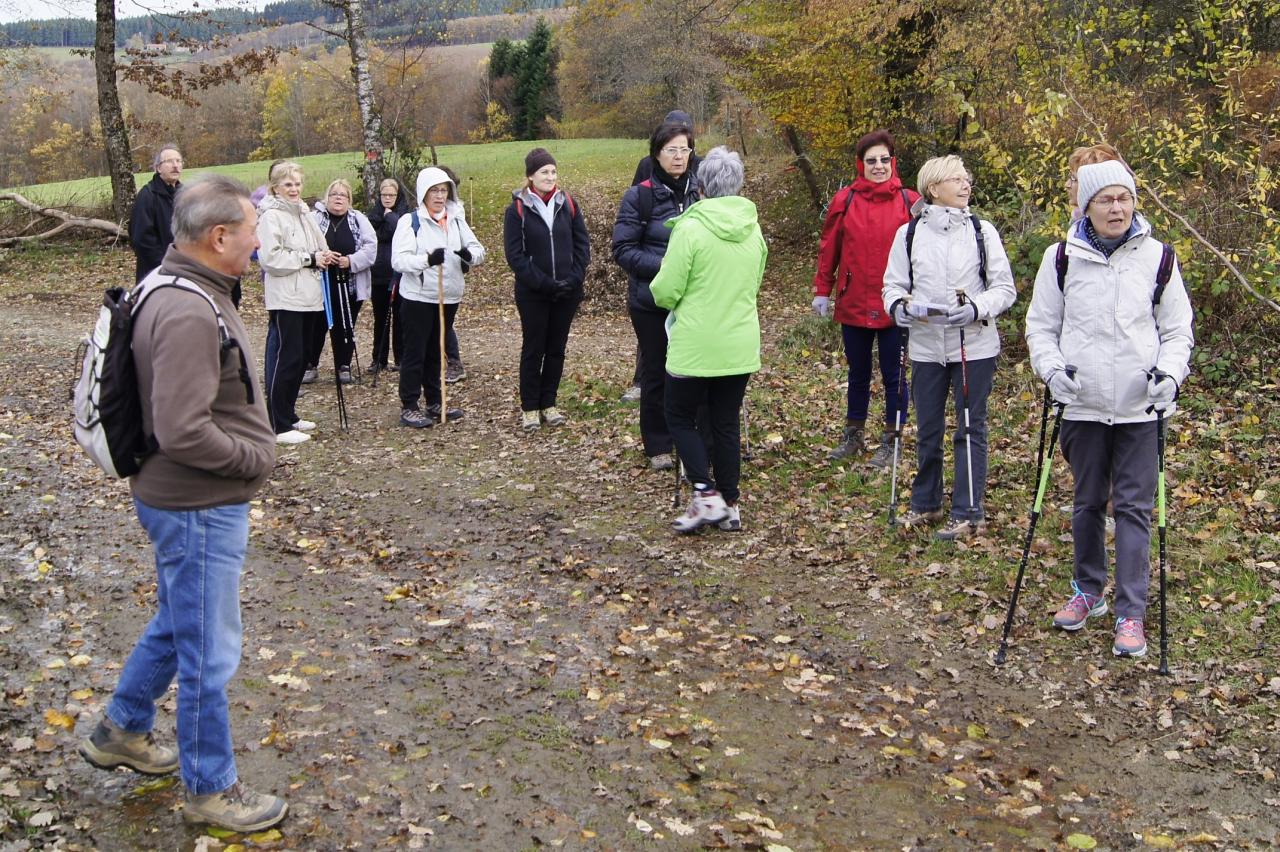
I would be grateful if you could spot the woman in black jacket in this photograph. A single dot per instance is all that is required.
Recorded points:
(639, 241)
(548, 249)
(384, 215)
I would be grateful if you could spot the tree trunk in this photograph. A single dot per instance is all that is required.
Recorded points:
(115, 135)
(370, 117)
(803, 164)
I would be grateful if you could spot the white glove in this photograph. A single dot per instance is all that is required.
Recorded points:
(900, 315)
(821, 304)
(1161, 389)
(963, 314)
(1063, 387)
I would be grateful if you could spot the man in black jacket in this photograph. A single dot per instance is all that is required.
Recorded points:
(150, 229)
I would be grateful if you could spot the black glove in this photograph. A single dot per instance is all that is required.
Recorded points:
(436, 257)
(564, 290)
(464, 255)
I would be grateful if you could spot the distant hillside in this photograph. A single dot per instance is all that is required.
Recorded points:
(389, 20)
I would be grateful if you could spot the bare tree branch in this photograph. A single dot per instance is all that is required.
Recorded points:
(68, 220)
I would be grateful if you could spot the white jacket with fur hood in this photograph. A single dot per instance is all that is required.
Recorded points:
(289, 238)
(410, 252)
(944, 256)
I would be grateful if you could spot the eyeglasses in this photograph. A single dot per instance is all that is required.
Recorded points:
(959, 179)
(340, 195)
(1102, 202)
(1071, 180)
(884, 161)
(438, 190)
(390, 193)
(672, 151)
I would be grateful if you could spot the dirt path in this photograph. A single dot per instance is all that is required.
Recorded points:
(469, 638)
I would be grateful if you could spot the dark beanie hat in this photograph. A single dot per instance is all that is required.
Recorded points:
(677, 116)
(536, 159)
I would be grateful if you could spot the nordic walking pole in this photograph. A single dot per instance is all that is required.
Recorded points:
(746, 431)
(964, 392)
(897, 426)
(444, 361)
(337, 381)
(675, 497)
(1046, 464)
(349, 326)
(1160, 506)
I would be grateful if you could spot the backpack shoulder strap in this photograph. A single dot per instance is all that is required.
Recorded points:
(906, 199)
(645, 197)
(911, 238)
(573, 208)
(1060, 265)
(982, 248)
(415, 222)
(225, 341)
(519, 210)
(1163, 272)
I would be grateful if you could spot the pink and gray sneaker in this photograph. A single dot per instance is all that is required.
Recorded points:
(1079, 609)
(1130, 640)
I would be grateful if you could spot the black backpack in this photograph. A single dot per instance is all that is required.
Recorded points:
(107, 404)
(977, 235)
(1163, 271)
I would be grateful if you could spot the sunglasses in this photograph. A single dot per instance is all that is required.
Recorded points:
(884, 161)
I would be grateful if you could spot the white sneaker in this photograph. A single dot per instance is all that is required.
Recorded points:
(552, 416)
(293, 436)
(733, 521)
(706, 507)
(304, 425)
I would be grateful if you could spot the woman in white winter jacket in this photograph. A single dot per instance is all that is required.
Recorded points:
(946, 289)
(1098, 306)
(292, 253)
(433, 248)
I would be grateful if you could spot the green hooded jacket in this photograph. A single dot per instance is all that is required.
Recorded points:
(709, 280)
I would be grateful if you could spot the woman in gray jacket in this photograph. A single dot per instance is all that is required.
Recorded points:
(1099, 305)
(948, 279)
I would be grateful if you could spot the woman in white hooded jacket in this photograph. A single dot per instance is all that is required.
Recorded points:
(1099, 307)
(292, 253)
(433, 248)
(946, 289)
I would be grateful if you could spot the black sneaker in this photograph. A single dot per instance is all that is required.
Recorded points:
(415, 419)
(453, 415)
(454, 372)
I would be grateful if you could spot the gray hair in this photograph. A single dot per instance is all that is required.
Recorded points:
(720, 173)
(168, 146)
(205, 203)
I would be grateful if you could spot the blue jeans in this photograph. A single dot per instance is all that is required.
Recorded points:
(930, 384)
(857, 351)
(195, 635)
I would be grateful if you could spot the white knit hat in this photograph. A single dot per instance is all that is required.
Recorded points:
(1092, 179)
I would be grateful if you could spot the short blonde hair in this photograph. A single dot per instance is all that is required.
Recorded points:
(282, 170)
(339, 183)
(937, 169)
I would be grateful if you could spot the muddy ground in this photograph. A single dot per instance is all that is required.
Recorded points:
(470, 638)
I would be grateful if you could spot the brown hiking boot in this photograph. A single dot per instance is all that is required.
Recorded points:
(883, 456)
(109, 746)
(236, 809)
(852, 443)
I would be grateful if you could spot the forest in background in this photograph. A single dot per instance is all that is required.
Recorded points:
(1189, 90)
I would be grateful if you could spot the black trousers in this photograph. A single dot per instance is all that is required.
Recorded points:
(544, 326)
(386, 336)
(721, 398)
(651, 335)
(420, 366)
(341, 335)
(285, 357)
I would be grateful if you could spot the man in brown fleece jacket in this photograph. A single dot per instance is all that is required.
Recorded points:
(215, 448)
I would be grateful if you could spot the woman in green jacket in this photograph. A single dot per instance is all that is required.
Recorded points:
(709, 279)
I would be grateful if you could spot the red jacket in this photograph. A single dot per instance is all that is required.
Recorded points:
(861, 222)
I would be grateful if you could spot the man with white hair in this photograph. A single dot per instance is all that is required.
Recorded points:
(150, 231)
(214, 448)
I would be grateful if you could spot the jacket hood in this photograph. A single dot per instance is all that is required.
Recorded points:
(430, 177)
(731, 218)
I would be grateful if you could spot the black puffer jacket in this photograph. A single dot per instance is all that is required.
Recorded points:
(151, 228)
(384, 225)
(540, 256)
(639, 244)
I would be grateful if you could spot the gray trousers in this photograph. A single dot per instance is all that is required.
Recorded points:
(1116, 463)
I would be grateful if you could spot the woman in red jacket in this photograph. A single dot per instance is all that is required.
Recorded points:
(856, 235)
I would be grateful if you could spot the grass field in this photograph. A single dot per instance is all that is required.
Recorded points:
(487, 172)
